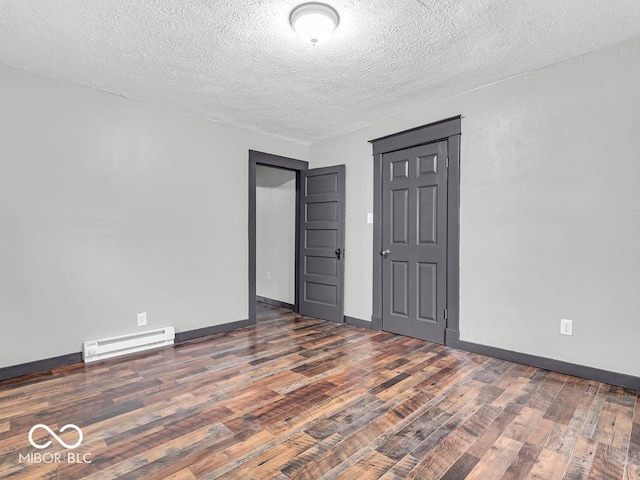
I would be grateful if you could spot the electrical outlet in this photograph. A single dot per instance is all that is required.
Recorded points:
(369, 217)
(566, 327)
(142, 319)
(268, 275)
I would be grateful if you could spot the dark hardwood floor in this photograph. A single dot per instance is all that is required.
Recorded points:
(299, 398)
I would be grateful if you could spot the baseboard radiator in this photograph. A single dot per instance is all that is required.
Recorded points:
(94, 350)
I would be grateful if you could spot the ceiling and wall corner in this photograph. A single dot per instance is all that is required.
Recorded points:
(241, 63)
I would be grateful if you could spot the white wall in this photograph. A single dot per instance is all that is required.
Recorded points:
(109, 207)
(275, 233)
(550, 209)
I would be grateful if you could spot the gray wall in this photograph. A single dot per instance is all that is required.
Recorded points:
(550, 209)
(110, 207)
(275, 233)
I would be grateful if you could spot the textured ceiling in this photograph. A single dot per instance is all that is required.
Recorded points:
(239, 62)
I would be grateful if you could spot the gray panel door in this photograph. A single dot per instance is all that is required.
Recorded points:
(321, 263)
(414, 241)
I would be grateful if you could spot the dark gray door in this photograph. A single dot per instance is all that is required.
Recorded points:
(414, 241)
(321, 263)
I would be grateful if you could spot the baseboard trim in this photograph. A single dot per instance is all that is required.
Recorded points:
(212, 330)
(357, 322)
(48, 364)
(452, 338)
(40, 366)
(276, 303)
(590, 373)
(376, 323)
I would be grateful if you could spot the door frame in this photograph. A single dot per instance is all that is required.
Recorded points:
(285, 163)
(448, 130)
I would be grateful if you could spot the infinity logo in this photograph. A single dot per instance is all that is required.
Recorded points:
(58, 439)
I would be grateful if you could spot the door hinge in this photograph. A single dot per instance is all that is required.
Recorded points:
(446, 314)
(447, 162)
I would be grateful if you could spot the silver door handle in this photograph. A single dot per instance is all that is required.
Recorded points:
(384, 253)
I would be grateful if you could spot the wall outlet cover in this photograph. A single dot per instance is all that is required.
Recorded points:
(142, 319)
(566, 326)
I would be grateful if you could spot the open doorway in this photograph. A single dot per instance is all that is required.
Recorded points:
(276, 236)
(288, 167)
(319, 236)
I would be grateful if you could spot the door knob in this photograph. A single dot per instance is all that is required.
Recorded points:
(338, 253)
(384, 253)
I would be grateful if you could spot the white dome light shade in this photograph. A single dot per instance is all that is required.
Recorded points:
(314, 21)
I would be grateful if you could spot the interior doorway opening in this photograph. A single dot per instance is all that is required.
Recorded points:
(287, 167)
(319, 236)
(276, 236)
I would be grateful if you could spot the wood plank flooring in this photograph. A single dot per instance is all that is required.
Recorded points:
(299, 398)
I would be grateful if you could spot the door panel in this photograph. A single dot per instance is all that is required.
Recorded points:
(414, 231)
(321, 266)
(322, 211)
(321, 280)
(400, 215)
(427, 288)
(400, 272)
(427, 215)
(322, 239)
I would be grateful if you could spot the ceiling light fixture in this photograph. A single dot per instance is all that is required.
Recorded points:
(314, 21)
